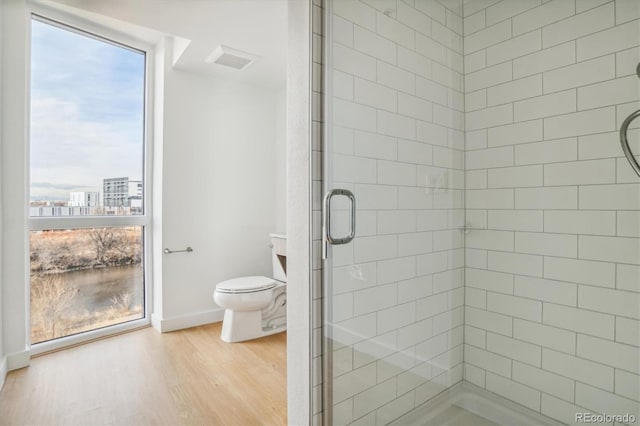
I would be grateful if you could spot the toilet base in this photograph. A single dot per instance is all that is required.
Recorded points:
(239, 326)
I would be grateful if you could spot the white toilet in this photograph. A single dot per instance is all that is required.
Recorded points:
(255, 306)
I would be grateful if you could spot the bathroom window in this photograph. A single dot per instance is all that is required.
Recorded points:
(88, 213)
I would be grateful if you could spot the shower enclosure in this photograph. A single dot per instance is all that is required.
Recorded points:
(494, 276)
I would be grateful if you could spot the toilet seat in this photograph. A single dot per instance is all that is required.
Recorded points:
(244, 285)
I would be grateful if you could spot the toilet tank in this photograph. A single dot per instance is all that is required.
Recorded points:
(279, 256)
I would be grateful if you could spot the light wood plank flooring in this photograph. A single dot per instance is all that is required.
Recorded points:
(147, 378)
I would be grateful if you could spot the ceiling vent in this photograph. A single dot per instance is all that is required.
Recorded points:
(228, 57)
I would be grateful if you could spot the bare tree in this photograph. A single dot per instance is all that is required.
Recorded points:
(50, 298)
(104, 239)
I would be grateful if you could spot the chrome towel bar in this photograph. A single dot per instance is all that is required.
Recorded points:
(187, 250)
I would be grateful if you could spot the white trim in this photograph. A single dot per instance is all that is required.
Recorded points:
(180, 322)
(18, 360)
(75, 339)
(68, 20)
(3, 372)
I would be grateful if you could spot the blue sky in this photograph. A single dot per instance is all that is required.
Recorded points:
(87, 109)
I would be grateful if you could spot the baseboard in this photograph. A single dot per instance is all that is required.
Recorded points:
(3, 371)
(18, 360)
(179, 322)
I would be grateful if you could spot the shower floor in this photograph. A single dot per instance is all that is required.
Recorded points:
(466, 404)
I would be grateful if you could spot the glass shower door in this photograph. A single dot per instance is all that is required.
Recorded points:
(393, 269)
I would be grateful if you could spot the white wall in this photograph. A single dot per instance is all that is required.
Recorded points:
(281, 162)
(3, 360)
(14, 182)
(553, 260)
(219, 190)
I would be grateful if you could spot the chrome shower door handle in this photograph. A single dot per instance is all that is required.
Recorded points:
(625, 142)
(327, 238)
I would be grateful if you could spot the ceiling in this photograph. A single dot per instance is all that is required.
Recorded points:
(258, 27)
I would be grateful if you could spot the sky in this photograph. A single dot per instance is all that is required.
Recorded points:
(87, 111)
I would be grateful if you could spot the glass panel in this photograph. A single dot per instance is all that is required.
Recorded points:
(394, 318)
(87, 124)
(83, 279)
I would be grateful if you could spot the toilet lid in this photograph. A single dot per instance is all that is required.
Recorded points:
(246, 284)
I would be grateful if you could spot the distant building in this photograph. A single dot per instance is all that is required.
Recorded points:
(122, 193)
(84, 199)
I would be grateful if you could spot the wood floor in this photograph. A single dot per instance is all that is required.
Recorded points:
(147, 378)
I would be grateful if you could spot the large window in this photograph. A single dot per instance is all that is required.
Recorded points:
(88, 215)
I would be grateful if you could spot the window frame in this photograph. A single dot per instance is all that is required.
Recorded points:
(85, 27)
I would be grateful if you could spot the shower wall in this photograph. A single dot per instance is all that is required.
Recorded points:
(397, 142)
(552, 304)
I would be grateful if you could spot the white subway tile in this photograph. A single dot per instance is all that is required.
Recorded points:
(544, 335)
(579, 320)
(476, 298)
(539, 17)
(396, 173)
(518, 133)
(580, 173)
(610, 249)
(375, 248)
(612, 92)
(430, 90)
(627, 61)
(476, 140)
(414, 289)
(514, 391)
(580, 271)
(507, 9)
(375, 95)
(414, 152)
(489, 199)
(628, 277)
(515, 263)
(580, 74)
(475, 100)
(559, 409)
(491, 240)
(475, 258)
(414, 198)
(368, 42)
(474, 375)
(547, 198)
(474, 23)
(374, 397)
(353, 277)
(396, 221)
(627, 385)
(610, 197)
(578, 26)
(376, 197)
(395, 125)
(557, 150)
(395, 31)
(348, 168)
(395, 317)
(432, 9)
(544, 60)
(387, 413)
(514, 306)
(476, 219)
(583, 5)
(515, 177)
(545, 106)
(487, 360)
(343, 85)
(523, 88)
(514, 48)
(617, 302)
(489, 117)
(487, 37)
(448, 117)
(431, 220)
(414, 62)
(580, 123)
(561, 245)
(342, 31)
(396, 78)
(578, 369)
(605, 402)
(490, 321)
(397, 269)
(516, 220)
(431, 263)
(474, 6)
(414, 18)
(354, 382)
(580, 222)
(355, 116)
(353, 62)
(373, 145)
(374, 299)
(431, 133)
(415, 243)
(475, 62)
(428, 307)
(627, 10)
(447, 37)
(605, 145)
(487, 77)
(628, 331)
(546, 290)
(489, 158)
(544, 381)
(611, 40)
